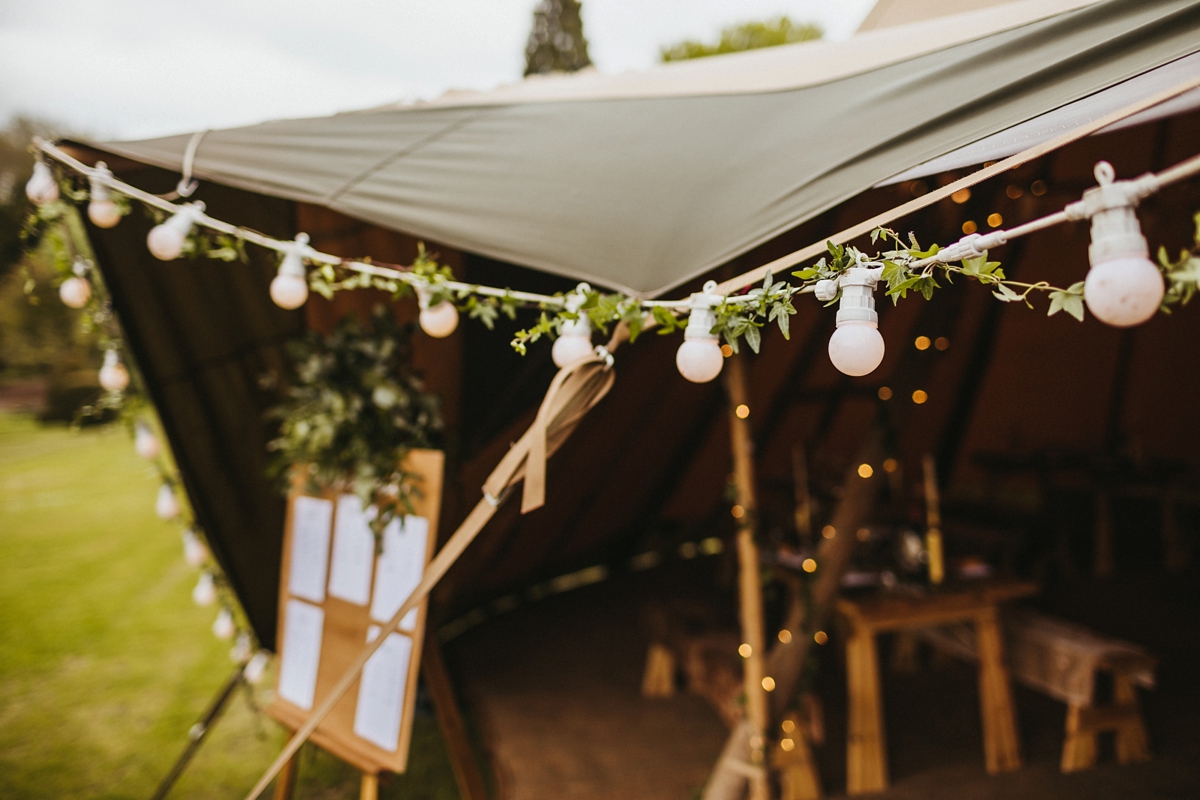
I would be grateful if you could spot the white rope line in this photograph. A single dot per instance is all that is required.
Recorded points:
(972, 245)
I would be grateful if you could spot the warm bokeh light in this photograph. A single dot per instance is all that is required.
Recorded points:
(941, 343)
(768, 683)
(785, 636)
(995, 220)
(865, 470)
(920, 396)
(918, 188)
(787, 745)
(922, 343)
(890, 465)
(1014, 192)
(863, 534)
(809, 565)
(745, 650)
(711, 546)
(738, 512)
(1039, 188)
(726, 350)
(961, 196)
(820, 637)
(789, 726)
(829, 532)
(969, 226)
(884, 393)
(742, 411)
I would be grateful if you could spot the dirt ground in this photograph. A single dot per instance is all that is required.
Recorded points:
(556, 687)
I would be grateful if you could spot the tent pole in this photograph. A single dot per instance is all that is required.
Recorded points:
(749, 581)
(199, 732)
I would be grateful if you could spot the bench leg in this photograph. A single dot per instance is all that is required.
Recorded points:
(1132, 742)
(1079, 749)
(866, 756)
(659, 678)
(1001, 751)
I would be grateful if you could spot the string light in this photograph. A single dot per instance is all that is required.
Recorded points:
(1123, 288)
(145, 443)
(242, 649)
(223, 626)
(439, 319)
(194, 551)
(166, 240)
(289, 287)
(102, 210)
(856, 347)
(75, 291)
(255, 667)
(113, 375)
(575, 340)
(42, 188)
(699, 358)
(167, 505)
(205, 593)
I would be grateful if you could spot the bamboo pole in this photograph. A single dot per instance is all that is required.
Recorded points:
(755, 679)
(933, 523)
(803, 497)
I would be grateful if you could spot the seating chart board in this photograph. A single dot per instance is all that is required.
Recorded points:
(335, 594)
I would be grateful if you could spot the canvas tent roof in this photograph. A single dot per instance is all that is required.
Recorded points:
(643, 182)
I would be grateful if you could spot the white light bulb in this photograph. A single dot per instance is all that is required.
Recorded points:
(1124, 291)
(439, 321)
(113, 375)
(856, 348)
(42, 188)
(145, 443)
(205, 593)
(104, 213)
(255, 667)
(574, 343)
(166, 240)
(223, 626)
(242, 649)
(75, 292)
(194, 551)
(699, 358)
(167, 505)
(289, 289)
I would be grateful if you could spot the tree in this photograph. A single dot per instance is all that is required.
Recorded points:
(556, 43)
(746, 36)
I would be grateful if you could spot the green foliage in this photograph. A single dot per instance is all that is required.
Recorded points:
(354, 410)
(1182, 274)
(746, 36)
(556, 43)
(771, 302)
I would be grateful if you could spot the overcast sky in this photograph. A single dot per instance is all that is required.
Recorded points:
(141, 68)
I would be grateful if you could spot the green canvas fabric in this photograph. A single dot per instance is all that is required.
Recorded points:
(643, 194)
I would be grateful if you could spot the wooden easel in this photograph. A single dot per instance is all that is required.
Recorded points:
(345, 625)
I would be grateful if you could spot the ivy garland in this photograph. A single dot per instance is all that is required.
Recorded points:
(353, 412)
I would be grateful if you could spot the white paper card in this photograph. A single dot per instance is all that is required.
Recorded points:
(399, 569)
(353, 552)
(311, 518)
(381, 691)
(302, 629)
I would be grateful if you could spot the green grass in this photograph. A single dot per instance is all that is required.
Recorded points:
(104, 661)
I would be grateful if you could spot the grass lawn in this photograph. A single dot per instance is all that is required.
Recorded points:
(104, 660)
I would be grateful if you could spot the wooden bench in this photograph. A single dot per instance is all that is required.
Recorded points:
(1062, 659)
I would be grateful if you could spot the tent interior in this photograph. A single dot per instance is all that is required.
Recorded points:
(1066, 451)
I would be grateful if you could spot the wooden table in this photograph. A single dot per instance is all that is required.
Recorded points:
(867, 615)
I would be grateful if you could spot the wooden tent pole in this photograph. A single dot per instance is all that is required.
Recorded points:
(749, 571)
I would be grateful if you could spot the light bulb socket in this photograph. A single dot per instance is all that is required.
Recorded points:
(1110, 205)
(858, 296)
(99, 190)
(292, 263)
(703, 316)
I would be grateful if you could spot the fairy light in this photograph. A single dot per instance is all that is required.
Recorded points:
(856, 347)
(166, 240)
(699, 358)
(102, 210)
(75, 291)
(42, 187)
(575, 340)
(289, 287)
(440, 319)
(113, 375)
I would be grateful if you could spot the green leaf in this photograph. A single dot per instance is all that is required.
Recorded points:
(1006, 294)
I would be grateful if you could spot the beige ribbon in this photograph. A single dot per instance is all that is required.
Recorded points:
(575, 389)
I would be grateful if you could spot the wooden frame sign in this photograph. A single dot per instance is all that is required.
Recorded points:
(334, 595)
